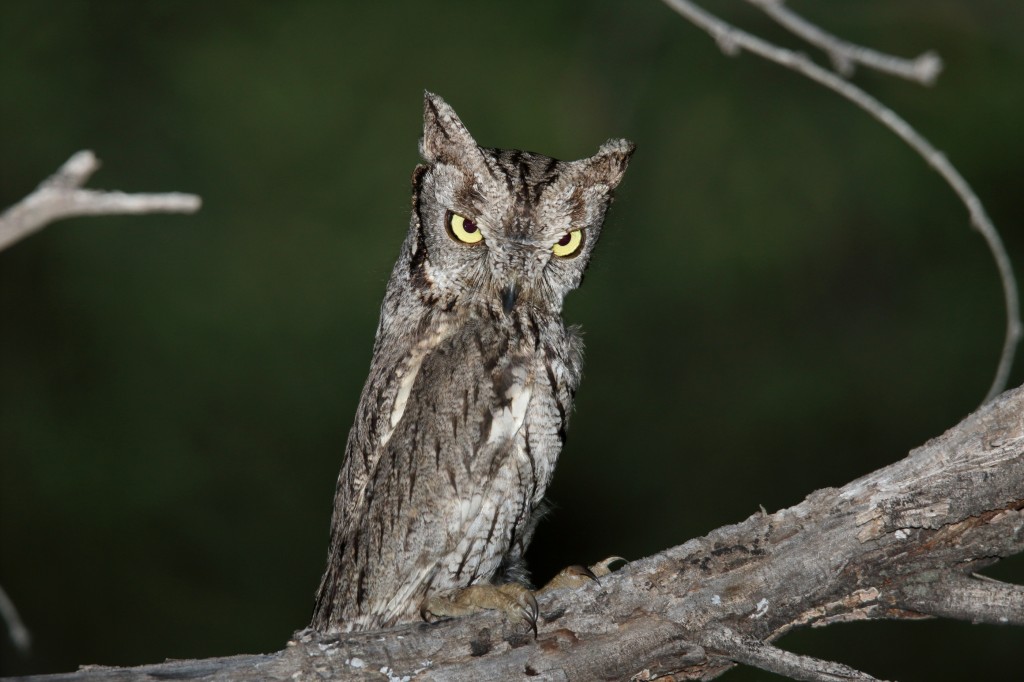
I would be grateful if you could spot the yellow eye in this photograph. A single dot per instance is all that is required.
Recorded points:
(462, 229)
(569, 245)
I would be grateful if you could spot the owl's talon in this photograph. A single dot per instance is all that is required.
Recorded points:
(577, 576)
(569, 577)
(512, 599)
(526, 602)
(604, 566)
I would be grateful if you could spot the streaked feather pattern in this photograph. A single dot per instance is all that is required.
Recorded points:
(465, 410)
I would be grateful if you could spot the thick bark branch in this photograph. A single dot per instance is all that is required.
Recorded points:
(977, 599)
(902, 542)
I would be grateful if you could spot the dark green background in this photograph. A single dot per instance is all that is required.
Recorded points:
(785, 297)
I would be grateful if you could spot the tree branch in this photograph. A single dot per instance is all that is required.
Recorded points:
(754, 652)
(923, 69)
(60, 196)
(19, 634)
(733, 40)
(900, 543)
(977, 599)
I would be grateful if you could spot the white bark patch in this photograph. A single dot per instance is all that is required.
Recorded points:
(392, 677)
(762, 608)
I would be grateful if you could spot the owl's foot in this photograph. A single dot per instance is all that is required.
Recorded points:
(512, 598)
(578, 576)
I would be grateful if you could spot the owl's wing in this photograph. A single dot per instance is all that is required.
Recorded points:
(467, 448)
(381, 411)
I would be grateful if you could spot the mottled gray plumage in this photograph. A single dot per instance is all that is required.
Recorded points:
(472, 380)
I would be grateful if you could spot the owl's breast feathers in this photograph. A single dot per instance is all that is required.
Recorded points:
(451, 452)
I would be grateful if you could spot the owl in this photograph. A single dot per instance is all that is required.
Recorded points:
(471, 384)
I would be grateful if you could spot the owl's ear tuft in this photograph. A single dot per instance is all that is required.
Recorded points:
(607, 166)
(445, 138)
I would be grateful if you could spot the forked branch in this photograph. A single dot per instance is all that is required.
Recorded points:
(733, 40)
(923, 69)
(61, 196)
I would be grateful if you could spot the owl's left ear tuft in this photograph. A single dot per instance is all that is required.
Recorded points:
(445, 138)
(609, 164)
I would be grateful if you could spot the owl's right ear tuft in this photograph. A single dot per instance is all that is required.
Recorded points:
(609, 164)
(445, 138)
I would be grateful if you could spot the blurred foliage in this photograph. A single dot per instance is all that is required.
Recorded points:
(785, 297)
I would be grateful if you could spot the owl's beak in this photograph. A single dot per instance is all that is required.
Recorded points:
(508, 298)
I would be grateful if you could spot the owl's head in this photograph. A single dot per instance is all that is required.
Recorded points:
(503, 228)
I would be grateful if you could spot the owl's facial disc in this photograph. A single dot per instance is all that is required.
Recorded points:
(466, 232)
(514, 255)
(504, 228)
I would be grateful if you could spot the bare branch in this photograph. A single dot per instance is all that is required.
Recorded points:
(923, 69)
(860, 552)
(754, 652)
(732, 40)
(60, 196)
(20, 635)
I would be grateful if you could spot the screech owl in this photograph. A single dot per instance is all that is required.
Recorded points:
(472, 380)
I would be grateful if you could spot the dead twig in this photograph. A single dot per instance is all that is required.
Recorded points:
(61, 196)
